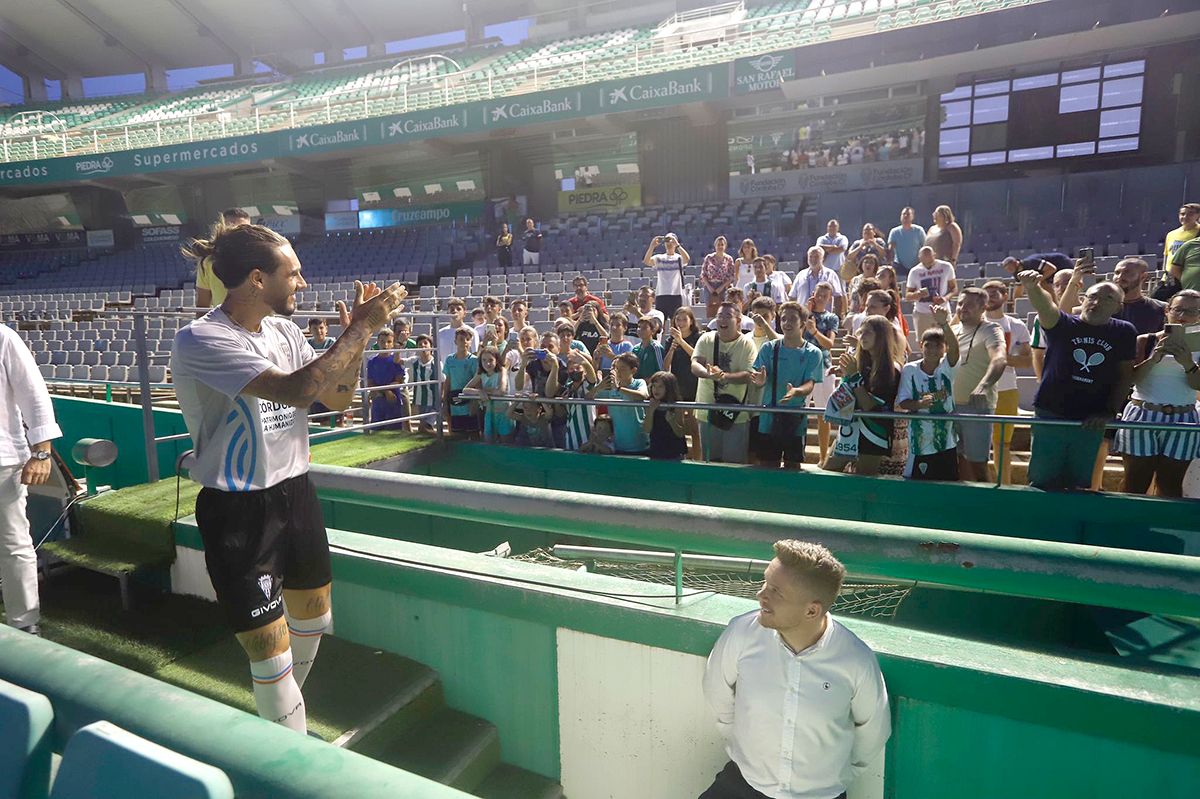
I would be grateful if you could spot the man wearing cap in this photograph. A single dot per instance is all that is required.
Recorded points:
(668, 267)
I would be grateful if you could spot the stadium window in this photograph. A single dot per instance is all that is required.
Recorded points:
(1035, 82)
(354, 53)
(510, 33)
(318, 58)
(53, 89)
(189, 77)
(990, 109)
(953, 162)
(955, 115)
(1123, 91)
(1119, 145)
(958, 94)
(1075, 149)
(1081, 75)
(1030, 154)
(1125, 68)
(1081, 97)
(994, 87)
(425, 42)
(956, 141)
(987, 159)
(1120, 122)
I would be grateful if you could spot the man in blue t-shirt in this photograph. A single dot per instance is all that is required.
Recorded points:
(787, 369)
(905, 241)
(1086, 376)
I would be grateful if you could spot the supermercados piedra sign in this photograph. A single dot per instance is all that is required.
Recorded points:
(763, 73)
(600, 198)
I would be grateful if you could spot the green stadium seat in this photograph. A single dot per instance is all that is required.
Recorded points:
(102, 759)
(26, 726)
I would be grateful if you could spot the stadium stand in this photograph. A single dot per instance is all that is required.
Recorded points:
(355, 92)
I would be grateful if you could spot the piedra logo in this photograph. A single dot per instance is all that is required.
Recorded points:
(599, 198)
(94, 166)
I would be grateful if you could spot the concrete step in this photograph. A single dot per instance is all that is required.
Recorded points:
(510, 782)
(451, 747)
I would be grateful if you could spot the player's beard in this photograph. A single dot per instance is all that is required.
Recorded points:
(285, 306)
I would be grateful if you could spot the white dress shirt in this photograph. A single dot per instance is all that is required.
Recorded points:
(799, 725)
(26, 413)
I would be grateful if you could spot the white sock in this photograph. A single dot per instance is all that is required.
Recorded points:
(306, 637)
(276, 693)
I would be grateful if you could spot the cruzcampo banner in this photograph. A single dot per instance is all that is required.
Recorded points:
(763, 73)
(600, 198)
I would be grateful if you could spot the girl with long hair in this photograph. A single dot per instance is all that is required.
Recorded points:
(491, 382)
(744, 264)
(667, 427)
(872, 373)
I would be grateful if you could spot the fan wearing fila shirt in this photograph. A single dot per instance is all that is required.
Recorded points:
(245, 378)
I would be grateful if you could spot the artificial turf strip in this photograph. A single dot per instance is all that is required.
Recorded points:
(82, 610)
(361, 450)
(142, 515)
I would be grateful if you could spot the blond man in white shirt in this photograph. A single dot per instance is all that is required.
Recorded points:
(799, 699)
(27, 427)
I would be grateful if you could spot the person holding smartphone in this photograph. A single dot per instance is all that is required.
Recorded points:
(929, 283)
(1165, 381)
(668, 268)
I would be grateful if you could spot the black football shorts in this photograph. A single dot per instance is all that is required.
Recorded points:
(256, 543)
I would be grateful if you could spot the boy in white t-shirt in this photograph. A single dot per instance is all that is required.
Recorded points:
(927, 386)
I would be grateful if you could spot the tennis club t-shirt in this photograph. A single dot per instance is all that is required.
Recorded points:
(1081, 365)
(243, 443)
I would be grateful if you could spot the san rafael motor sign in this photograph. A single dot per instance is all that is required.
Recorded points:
(763, 73)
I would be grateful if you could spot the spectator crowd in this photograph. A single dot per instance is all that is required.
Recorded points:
(831, 341)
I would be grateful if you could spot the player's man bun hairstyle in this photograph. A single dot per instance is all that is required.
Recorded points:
(236, 251)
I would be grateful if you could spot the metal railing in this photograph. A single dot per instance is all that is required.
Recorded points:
(144, 385)
(1001, 420)
(749, 33)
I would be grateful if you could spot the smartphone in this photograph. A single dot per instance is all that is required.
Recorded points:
(633, 298)
(541, 354)
(491, 329)
(1087, 254)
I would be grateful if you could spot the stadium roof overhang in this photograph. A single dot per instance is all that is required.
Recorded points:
(61, 38)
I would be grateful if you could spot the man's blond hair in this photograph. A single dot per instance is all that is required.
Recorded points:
(815, 566)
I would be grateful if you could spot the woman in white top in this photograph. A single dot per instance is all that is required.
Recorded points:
(1165, 383)
(744, 263)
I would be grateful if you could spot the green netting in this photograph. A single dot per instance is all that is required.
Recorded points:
(859, 597)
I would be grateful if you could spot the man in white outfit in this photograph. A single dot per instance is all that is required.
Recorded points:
(27, 427)
(799, 699)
